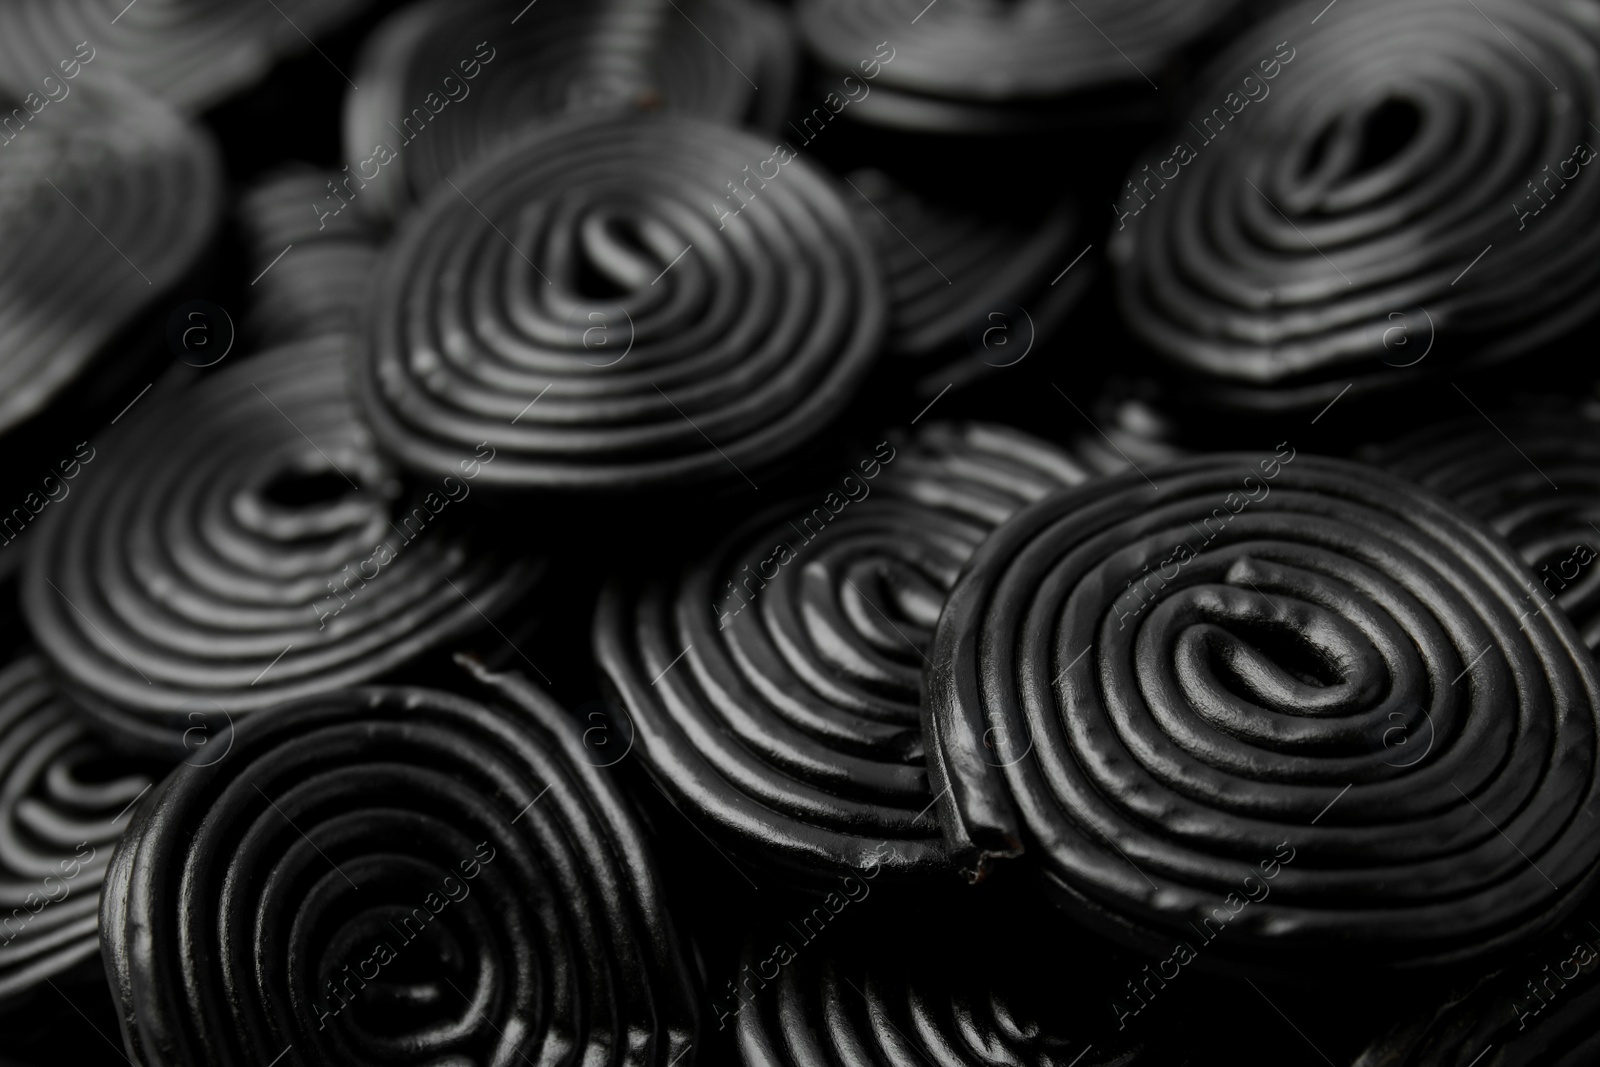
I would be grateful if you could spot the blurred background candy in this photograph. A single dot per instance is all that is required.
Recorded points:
(1399, 172)
(652, 349)
(242, 544)
(730, 61)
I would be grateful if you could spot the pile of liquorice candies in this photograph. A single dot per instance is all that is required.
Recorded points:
(709, 532)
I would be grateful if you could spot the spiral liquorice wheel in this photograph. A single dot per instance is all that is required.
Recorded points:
(107, 198)
(64, 800)
(1392, 195)
(971, 66)
(1534, 475)
(191, 53)
(773, 684)
(966, 285)
(979, 470)
(395, 875)
(588, 304)
(882, 1000)
(1291, 704)
(447, 82)
(242, 544)
(323, 288)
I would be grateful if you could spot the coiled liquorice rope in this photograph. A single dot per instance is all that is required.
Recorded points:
(242, 544)
(448, 82)
(965, 285)
(1346, 195)
(595, 305)
(107, 199)
(970, 66)
(773, 683)
(64, 800)
(886, 1001)
(1289, 704)
(1533, 474)
(388, 873)
(335, 252)
(191, 53)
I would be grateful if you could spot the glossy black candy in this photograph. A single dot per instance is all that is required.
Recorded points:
(972, 290)
(107, 199)
(967, 996)
(323, 288)
(968, 66)
(377, 875)
(447, 82)
(732, 341)
(241, 543)
(192, 53)
(1290, 679)
(1533, 473)
(773, 683)
(1388, 195)
(64, 801)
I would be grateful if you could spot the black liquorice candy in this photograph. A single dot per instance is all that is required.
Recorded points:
(240, 544)
(192, 53)
(64, 800)
(593, 303)
(983, 471)
(447, 82)
(892, 1000)
(773, 683)
(390, 873)
(107, 199)
(967, 287)
(1290, 697)
(1533, 473)
(324, 288)
(968, 66)
(1343, 195)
